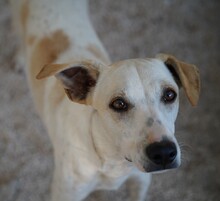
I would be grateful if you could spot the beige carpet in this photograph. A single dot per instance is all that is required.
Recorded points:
(189, 29)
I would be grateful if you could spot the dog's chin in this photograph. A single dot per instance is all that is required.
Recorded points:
(155, 169)
(149, 167)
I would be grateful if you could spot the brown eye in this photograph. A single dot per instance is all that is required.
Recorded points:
(119, 105)
(169, 95)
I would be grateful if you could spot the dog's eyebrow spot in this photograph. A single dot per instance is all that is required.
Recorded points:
(150, 121)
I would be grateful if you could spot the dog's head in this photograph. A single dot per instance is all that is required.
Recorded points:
(136, 103)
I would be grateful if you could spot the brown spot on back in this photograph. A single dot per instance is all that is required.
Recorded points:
(46, 51)
(24, 14)
(97, 53)
(49, 48)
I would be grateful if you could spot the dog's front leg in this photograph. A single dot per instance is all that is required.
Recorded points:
(144, 182)
(61, 190)
(67, 186)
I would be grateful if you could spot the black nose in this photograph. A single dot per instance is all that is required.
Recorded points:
(162, 153)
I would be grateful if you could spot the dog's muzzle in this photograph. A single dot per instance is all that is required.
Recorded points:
(162, 155)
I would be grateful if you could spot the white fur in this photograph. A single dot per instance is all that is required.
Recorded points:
(92, 142)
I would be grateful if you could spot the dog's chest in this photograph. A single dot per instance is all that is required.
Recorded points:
(113, 175)
(104, 181)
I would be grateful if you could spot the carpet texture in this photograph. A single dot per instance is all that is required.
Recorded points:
(188, 29)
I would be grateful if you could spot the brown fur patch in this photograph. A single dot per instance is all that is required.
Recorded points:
(24, 14)
(93, 49)
(46, 51)
(49, 48)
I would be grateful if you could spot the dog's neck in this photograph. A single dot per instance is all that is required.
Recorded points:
(107, 150)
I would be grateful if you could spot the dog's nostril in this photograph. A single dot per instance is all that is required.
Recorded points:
(172, 155)
(157, 158)
(162, 153)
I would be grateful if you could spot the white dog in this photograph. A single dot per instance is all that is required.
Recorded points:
(120, 120)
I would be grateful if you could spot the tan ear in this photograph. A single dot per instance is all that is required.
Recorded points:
(53, 69)
(77, 78)
(188, 76)
(50, 69)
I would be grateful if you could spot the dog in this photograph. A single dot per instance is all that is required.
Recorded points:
(107, 121)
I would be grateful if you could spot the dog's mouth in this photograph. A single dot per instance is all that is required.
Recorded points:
(153, 168)
(129, 160)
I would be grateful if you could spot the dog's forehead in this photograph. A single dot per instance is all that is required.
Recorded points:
(134, 78)
(146, 71)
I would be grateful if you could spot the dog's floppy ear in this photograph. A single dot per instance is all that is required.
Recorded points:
(187, 75)
(77, 78)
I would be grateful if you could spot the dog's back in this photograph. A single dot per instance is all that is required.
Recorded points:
(54, 31)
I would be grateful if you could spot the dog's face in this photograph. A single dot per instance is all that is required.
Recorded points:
(136, 102)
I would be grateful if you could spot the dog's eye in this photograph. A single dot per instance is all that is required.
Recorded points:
(169, 95)
(119, 105)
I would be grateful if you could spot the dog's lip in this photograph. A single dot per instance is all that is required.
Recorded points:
(152, 168)
(128, 159)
